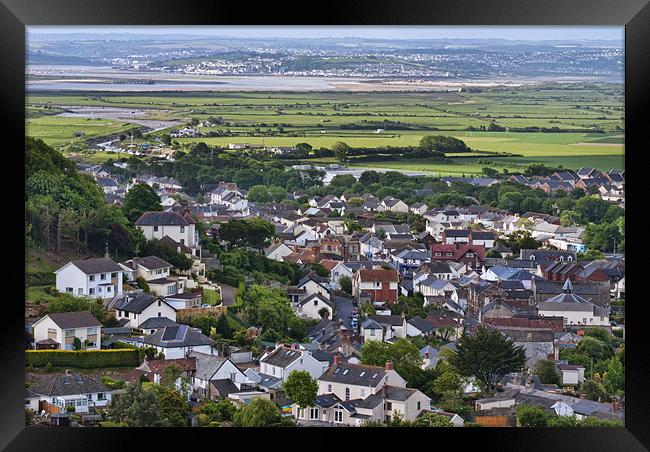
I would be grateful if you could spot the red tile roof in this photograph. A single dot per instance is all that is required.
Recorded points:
(378, 274)
(458, 249)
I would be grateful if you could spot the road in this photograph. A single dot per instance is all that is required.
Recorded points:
(344, 308)
(227, 295)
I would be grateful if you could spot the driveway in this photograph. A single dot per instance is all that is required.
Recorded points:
(227, 295)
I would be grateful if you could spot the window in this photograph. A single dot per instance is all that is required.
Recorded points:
(338, 416)
(108, 289)
(69, 333)
(329, 388)
(438, 253)
(102, 276)
(119, 313)
(155, 229)
(315, 302)
(273, 370)
(182, 229)
(69, 289)
(584, 320)
(158, 303)
(91, 291)
(80, 291)
(51, 333)
(89, 396)
(91, 331)
(419, 406)
(313, 413)
(301, 413)
(114, 275)
(388, 406)
(448, 253)
(92, 277)
(159, 314)
(347, 393)
(99, 289)
(101, 396)
(372, 332)
(126, 314)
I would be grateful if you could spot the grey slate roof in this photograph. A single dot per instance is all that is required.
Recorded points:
(392, 320)
(177, 336)
(282, 357)
(397, 393)
(78, 319)
(318, 296)
(149, 262)
(162, 219)
(206, 365)
(354, 374)
(156, 322)
(137, 303)
(97, 265)
(224, 386)
(63, 385)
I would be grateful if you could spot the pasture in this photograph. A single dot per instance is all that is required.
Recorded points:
(323, 118)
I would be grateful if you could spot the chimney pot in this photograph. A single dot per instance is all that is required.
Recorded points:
(337, 359)
(389, 365)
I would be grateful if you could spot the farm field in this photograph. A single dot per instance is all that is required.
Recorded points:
(403, 118)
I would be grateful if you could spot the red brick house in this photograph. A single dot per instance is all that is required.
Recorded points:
(381, 285)
(471, 255)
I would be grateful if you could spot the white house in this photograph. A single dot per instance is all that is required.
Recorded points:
(310, 306)
(138, 308)
(223, 190)
(180, 228)
(58, 329)
(283, 360)
(155, 271)
(313, 284)
(357, 381)
(97, 277)
(278, 251)
(337, 270)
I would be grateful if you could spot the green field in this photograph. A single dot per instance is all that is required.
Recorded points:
(323, 118)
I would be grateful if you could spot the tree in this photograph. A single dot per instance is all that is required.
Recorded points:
(594, 391)
(142, 284)
(171, 373)
(76, 343)
(546, 372)
(301, 387)
(614, 377)
(136, 407)
(258, 413)
(487, 355)
(211, 412)
(562, 421)
(223, 327)
(432, 420)
(591, 209)
(570, 218)
(443, 144)
(346, 284)
(591, 255)
(532, 416)
(404, 355)
(324, 313)
(139, 199)
(340, 150)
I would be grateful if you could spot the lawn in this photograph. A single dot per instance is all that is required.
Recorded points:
(211, 297)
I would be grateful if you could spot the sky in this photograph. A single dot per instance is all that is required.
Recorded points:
(528, 33)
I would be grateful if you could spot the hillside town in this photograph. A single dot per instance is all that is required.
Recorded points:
(353, 307)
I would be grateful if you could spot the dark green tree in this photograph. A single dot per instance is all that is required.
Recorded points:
(139, 199)
(301, 387)
(489, 356)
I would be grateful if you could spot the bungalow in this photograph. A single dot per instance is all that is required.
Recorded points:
(184, 300)
(179, 341)
(61, 328)
(58, 392)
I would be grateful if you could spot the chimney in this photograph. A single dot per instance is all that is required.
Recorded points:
(389, 365)
(337, 359)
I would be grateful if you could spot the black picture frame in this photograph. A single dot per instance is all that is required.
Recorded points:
(633, 14)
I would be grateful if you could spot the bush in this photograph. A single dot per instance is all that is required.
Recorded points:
(142, 284)
(82, 359)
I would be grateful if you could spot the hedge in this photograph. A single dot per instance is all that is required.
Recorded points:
(83, 359)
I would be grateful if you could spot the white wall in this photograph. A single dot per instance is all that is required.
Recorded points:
(71, 276)
(173, 232)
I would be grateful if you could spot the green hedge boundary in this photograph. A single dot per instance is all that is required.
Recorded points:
(83, 359)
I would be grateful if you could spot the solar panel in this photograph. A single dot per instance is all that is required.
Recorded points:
(170, 332)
